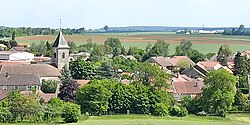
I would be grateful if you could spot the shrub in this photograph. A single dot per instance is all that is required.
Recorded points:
(5, 115)
(160, 109)
(71, 112)
(178, 111)
(49, 86)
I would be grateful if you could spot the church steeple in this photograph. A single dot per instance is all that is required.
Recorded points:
(60, 49)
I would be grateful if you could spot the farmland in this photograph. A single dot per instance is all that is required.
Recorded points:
(203, 42)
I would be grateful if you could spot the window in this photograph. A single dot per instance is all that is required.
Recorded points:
(63, 55)
(5, 87)
(16, 87)
(54, 55)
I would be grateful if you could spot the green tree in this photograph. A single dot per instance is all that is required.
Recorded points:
(93, 99)
(73, 47)
(218, 94)
(81, 69)
(160, 48)
(106, 28)
(184, 47)
(240, 65)
(240, 101)
(13, 36)
(71, 112)
(196, 56)
(151, 75)
(223, 53)
(115, 44)
(49, 86)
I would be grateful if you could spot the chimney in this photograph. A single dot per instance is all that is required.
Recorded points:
(7, 75)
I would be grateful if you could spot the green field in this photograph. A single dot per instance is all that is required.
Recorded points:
(203, 42)
(236, 119)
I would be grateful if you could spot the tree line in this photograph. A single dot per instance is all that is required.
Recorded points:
(240, 31)
(28, 31)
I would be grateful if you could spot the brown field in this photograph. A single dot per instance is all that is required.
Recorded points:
(205, 43)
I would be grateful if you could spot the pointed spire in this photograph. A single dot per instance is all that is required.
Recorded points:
(60, 41)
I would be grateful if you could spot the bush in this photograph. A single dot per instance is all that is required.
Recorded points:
(160, 109)
(71, 112)
(5, 115)
(49, 86)
(178, 111)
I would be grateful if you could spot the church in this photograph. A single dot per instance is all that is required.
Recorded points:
(24, 76)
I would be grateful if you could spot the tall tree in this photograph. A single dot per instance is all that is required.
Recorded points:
(160, 48)
(67, 90)
(115, 44)
(106, 28)
(223, 53)
(218, 95)
(184, 47)
(13, 36)
(240, 65)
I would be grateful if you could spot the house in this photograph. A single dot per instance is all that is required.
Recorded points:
(161, 61)
(212, 65)
(195, 71)
(44, 71)
(21, 82)
(177, 59)
(15, 56)
(83, 55)
(182, 88)
(170, 63)
(230, 59)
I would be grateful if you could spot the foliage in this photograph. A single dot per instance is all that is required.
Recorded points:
(241, 65)
(5, 115)
(106, 28)
(151, 75)
(160, 48)
(160, 109)
(136, 52)
(26, 106)
(106, 70)
(192, 105)
(49, 86)
(240, 31)
(183, 64)
(240, 101)
(184, 47)
(67, 88)
(81, 69)
(178, 111)
(73, 47)
(223, 54)
(115, 44)
(71, 112)
(196, 56)
(122, 97)
(93, 98)
(218, 94)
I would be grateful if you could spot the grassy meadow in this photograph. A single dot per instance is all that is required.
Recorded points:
(232, 119)
(203, 42)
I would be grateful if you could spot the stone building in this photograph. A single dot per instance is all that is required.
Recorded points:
(60, 50)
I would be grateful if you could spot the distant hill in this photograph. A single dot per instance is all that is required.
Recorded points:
(160, 28)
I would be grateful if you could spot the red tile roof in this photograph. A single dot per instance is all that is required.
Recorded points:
(186, 88)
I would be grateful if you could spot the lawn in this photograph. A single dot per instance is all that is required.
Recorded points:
(233, 119)
(150, 120)
(203, 42)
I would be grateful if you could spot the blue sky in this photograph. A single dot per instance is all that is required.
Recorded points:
(97, 13)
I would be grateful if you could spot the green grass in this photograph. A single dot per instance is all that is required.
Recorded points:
(232, 119)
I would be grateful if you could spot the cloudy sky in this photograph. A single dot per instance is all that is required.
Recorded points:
(97, 13)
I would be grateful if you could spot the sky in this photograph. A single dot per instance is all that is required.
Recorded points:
(93, 14)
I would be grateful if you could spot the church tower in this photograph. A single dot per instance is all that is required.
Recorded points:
(60, 52)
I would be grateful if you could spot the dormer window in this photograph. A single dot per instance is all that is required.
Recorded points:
(63, 55)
